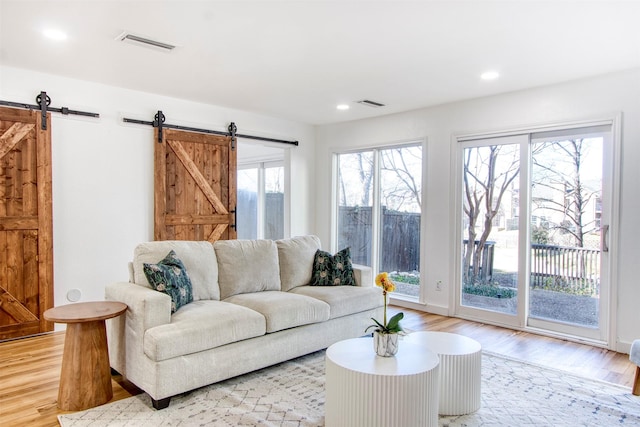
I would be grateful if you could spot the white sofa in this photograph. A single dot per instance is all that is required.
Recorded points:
(251, 308)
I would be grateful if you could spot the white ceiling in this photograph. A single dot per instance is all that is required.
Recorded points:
(298, 59)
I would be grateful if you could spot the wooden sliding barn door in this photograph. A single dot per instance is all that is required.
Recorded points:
(26, 244)
(195, 186)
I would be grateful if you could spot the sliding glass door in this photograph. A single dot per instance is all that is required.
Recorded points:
(490, 225)
(535, 208)
(568, 218)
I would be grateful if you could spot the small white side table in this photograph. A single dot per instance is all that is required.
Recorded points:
(460, 369)
(363, 389)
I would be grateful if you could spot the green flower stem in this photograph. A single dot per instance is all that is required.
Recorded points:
(384, 294)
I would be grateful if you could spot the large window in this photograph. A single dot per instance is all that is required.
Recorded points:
(260, 207)
(379, 205)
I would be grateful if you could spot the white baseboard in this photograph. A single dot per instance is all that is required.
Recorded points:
(415, 305)
(623, 347)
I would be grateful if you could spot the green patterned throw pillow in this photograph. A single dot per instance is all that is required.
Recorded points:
(333, 270)
(170, 276)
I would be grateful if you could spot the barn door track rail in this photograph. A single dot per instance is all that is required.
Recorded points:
(43, 104)
(159, 122)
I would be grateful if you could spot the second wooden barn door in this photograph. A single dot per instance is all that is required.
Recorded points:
(195, 187)
(26, 245)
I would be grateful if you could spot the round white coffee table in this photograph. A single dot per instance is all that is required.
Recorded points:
(460, 369)
(363, 389)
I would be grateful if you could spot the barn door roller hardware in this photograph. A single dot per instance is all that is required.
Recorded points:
(159, 122)
(43, 101)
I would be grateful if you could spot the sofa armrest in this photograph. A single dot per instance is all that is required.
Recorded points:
(363, 275)
(147, 308)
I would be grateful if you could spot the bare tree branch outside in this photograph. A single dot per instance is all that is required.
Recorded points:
(564, 204)
(399, 178)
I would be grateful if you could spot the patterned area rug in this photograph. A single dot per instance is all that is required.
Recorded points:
(292, 394)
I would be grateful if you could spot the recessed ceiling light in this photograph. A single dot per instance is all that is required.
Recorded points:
(490, 75)
(342, 107)
(54, 34)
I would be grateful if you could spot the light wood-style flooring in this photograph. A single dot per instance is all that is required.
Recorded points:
(30, 367)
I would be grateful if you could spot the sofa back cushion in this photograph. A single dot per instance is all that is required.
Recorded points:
(199, 260)
(296, 260)
(246, 266)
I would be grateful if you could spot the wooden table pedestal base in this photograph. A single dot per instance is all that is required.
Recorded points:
(85, 379)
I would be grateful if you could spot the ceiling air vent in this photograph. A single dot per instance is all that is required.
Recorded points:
(369, 103)
(145, 41)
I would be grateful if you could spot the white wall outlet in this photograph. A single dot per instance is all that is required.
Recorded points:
(74, 295)
(439, 285)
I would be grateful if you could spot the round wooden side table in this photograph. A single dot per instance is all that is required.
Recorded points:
(363, 389)
(85, 378)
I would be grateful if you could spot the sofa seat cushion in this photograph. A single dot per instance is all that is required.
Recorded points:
(202, 325)
(283, 310)
(343, 300)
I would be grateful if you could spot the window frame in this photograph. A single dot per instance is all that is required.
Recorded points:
(261, 213)
(375, 203)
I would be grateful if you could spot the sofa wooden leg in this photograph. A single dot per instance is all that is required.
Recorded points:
(161, 403)
(636, 382)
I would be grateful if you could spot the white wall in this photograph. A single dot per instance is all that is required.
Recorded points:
(103, 171)
(585, 99)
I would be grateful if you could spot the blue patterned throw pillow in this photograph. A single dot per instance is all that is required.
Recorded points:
(333, 270)
(170, 276)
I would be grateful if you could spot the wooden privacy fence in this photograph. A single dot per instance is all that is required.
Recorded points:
(565, 268)
(400, 249)
(247, 216)
(570, 269)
